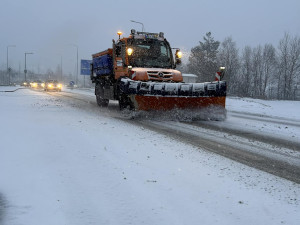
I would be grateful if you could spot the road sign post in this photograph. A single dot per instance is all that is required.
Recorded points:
(85, 68)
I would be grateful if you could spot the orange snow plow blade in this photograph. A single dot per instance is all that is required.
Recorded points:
(208, 97)
(147, 103)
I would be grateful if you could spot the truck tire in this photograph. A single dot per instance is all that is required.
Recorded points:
(125, 103)
(99, 96)
(102, 102)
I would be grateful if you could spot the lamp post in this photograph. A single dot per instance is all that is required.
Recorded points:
(8, 68)
(25, 71)
(76, 81)
(139, 23)
(61, 70)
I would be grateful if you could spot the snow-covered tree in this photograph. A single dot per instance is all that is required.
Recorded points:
(269, 70)
(203, 58)
(289, 65)
(246, 71)
(228, 56)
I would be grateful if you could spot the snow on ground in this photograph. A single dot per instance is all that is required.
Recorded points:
(277, 109)
(63, 165)
(262, 114)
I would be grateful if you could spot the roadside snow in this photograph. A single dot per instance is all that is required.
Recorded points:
(279, 119)
(63, 165)
(276, 109)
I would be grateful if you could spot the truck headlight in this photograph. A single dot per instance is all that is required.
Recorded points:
(179, 54)
(129, 51)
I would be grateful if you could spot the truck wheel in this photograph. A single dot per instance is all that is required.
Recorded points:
(99, 91)
(102, 102)
(125, 103)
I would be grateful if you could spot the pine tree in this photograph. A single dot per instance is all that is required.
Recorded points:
(203, 58)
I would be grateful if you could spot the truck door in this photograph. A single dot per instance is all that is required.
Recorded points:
(120, 61)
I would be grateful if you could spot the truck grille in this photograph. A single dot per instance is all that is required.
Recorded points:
(159, 75)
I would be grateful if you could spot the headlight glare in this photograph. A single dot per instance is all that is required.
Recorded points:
(129, 51)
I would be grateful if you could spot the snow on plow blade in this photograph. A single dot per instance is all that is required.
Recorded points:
(167, 96)
(168, 102)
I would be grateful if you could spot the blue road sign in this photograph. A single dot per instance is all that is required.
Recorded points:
(85, 67)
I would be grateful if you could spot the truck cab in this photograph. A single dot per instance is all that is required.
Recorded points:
(146, 57)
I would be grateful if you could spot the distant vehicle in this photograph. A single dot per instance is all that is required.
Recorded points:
(189, 78)
(52, 85)
(25, 84)
(37, 84)
(71, 84)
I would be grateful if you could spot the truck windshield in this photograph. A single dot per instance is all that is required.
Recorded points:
(150, 53)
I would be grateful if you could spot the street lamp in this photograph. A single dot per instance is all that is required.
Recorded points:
(8, 69)
(61, 70)
(25, 71)
(139, 23)
(76, 64)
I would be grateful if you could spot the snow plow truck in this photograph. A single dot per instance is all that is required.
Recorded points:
(139, 71)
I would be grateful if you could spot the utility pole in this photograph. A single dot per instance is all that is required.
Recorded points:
(61, 70)
(76, 80)
(25, 71)
(8, 68)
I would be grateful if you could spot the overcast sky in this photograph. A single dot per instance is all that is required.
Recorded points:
(51, 28)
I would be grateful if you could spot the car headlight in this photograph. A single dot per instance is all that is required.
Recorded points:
(49, 85)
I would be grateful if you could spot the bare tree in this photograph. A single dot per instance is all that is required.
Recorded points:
(260, 72)
(246, 71)
(269, 69)
(228, 56)
(257, 71)
(289, 65)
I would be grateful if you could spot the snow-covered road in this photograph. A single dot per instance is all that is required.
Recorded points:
(74, 164)
(268, 142)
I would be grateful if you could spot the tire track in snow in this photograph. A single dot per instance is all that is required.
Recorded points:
(263, 118)
(285, 167)
(222, 127)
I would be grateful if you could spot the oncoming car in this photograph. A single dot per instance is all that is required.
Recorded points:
(52, 85)
(36, 84)
(25, 84)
